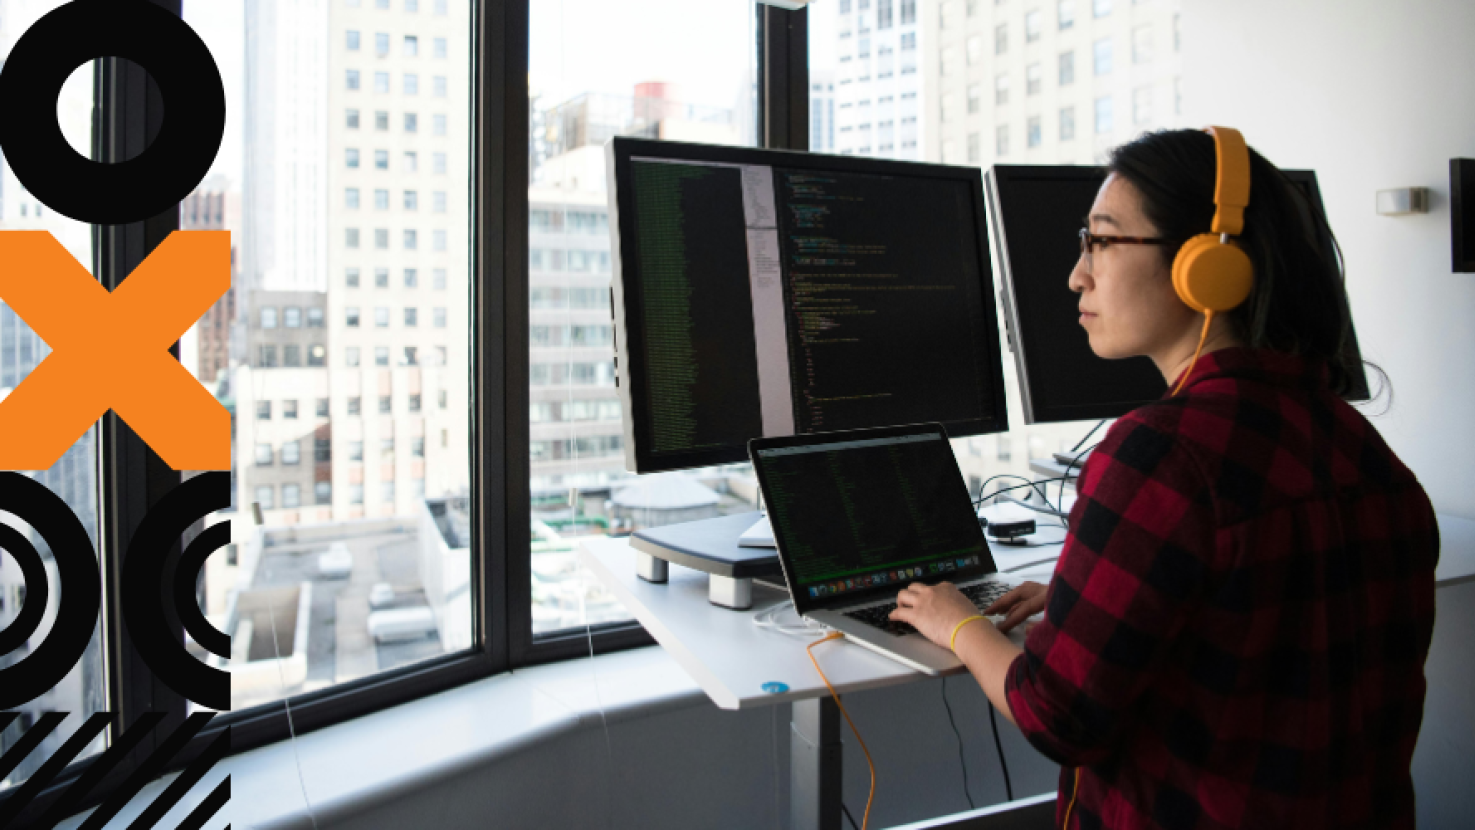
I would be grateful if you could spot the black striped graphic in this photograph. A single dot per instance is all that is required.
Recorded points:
(14, 805)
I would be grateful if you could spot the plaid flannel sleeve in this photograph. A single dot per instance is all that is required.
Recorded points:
(1141, 540)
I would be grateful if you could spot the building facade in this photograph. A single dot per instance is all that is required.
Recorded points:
(879, 96)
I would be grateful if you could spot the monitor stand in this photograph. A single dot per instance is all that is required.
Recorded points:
(714, 547)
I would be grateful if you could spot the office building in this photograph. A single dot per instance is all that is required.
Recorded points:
(822, 112)
(879, 94)
(215, 205)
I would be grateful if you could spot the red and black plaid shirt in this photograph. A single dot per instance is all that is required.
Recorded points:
(1236, 630)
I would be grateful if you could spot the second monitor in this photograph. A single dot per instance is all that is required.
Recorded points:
(762, 293)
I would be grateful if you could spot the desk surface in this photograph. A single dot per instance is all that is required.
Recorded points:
(723, 651)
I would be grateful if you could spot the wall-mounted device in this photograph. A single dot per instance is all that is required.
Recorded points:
(1462, 214)
(1402, 201)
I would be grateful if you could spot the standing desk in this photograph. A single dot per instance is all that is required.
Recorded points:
(732, 659)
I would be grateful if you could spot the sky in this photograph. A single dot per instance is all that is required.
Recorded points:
(221, 24)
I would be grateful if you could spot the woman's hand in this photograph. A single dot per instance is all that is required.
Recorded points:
(1025, 601)
(934, 610)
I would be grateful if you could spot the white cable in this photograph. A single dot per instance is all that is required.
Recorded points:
(805, 629)
(291, 729)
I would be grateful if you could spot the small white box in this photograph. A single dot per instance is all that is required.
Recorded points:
(1403, 200)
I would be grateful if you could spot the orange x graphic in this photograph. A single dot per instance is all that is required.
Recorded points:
(110, 350)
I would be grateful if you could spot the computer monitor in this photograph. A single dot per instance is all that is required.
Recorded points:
(763, 293)
(1035, 213)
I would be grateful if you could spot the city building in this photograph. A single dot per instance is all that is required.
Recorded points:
(879, 97)
(822, 111)
(215, 205)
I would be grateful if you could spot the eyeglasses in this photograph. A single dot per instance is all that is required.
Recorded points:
(1091, 241)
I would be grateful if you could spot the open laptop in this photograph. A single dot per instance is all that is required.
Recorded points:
(861, 514)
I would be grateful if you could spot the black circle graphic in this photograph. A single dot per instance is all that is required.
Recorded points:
(186, 574)
(19, 547)
(164, 173)
(81, 589)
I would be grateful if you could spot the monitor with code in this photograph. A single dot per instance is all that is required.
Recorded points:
(771, 293)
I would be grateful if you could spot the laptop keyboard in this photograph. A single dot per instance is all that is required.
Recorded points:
(983, 594)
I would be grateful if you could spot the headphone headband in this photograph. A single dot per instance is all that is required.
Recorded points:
(1232, 190)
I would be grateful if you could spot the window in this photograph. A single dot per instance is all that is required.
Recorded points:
(352, 119)
(263, 410)
(1001, 89)
(317, 355)
(1103, 115)
(351, 317)
(1034, 22)
(353, 40)
(351, 275)
(417, 447)
(975, 149)
(883, 14)
(355, 494)
(321, 408)
(1142, 44)
(265, 495)
(381, 82)
(440, 48)
(381, 317)
(314, 318)
(381, 277)
(975, 99)
(410, 357)
(908, 13)
(1067, 68)
(386, 491)
(438, 86)
(438, 240)
(1142, 105)
(291, 494)
(438, 165)
(412, 278)
(386, 403)
(1101, 8)
(292, 317)
(412, 122)
(352, 79)
(381, 239)
(1033, 79)
(381, 120)
(351, 198)
(1066, 11)
(412, 161)
(381, 44)
(973, 50)
(381, 159)
(414, 403)
(412, 239)
(381, 355)
(386, 448)
(381, 199)
(350, 237)
(412, 46)
(355, 450)
(269, 317)
(264, 455)
(412, 5)
(1032, 132)
(1102, 52)
(412, 317)
(291, 453)
(322, 492)
(1001, 38)
(442, 399)
(351, 356)
(438, 279)
(1001, 140)
(438, 201)
(351, 158)
(438, 124)
(268, 357)
(412, 200)
(292, 356)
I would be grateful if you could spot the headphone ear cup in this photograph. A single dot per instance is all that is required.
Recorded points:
(1209, 275)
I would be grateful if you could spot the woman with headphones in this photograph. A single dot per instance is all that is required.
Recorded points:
(1235, 632)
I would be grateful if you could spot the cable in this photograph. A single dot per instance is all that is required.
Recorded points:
(835, 635)
(1035, 484)
(994, 725)
(849, 816)
(959, 735)
(1034, 563)
(1088, 435)
(1065, 520)
(805, 629)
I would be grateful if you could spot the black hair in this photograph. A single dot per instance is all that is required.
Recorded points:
(1299, 302)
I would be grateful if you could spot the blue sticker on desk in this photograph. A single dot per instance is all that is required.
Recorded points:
(775, 688)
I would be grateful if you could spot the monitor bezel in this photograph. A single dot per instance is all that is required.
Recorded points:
(626, 306)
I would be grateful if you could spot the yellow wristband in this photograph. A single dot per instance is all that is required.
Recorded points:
(953, 644)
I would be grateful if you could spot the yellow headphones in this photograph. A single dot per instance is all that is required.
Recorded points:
(1211, 273)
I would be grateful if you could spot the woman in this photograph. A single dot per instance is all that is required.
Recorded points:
(1234, 635)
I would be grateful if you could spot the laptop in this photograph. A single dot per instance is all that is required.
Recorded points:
(859, 515)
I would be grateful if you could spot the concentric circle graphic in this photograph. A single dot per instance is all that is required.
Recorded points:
(165, 172)
(79, 577)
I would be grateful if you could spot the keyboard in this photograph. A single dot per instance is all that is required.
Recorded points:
(983, 594)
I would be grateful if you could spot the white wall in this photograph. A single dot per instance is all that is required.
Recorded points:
(1372, 95)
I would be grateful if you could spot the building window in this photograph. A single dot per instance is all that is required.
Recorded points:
(414, 403)
(291, 453)
(353, 119)
(292, 317)
(883, 14)
(352, 79)
(317, 355)
(412, 200)
(1067, 68)
(412, 278)
(263, 410)
(351, 356)
(1101, 8)
(1001, 38)
(386, 492)
(975, 149)
(412, 122)
(908, 12)
(975, 99)
(292, 356)
(351, 316)
(386, 448)
(1102, 51)
(355, 494)
(350, 237)
(351, 276)
(417, 447)
(381, 277)
(355, 450)
(381, 44)
(269, 317)
(265, 495)
(264, 455)
(353, 40)
(438, 86)
(412, 239)
(386, 404)
(1001, 89)
(351, 198)
(268, 357)
(1032, 132)
(440, 48)
(412, 317)
(1142, 105)
(381, 239)
(1034, 22)
(322, 492)
(381, 199)
(439, 315)
(381, 355)
(381, 120)
(1001, 140)
(381, 82)
(351, 157)
(353, 404)
(412, 46)
(320, 409)
(381, 159)
(438, 240)
(441, 399)
(381, 317)
(438, 278)
(410, 356)
(438, 163)
(1142, 44)
(1033, 79)
(1066, 10)
(1103, 115)
(908, 41)
(973, 50)
(438, 124)
(438, 201)
(314, 318)
(412, 161)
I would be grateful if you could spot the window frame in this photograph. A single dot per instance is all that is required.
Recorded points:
(129, 111)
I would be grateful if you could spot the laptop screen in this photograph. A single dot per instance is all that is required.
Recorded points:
(864, 513)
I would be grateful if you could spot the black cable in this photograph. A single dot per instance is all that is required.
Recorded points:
(1061, 499)
(849, 816)
(1088, 435)
(1034, 484)
(959, 735)
(994, 725)
(1027, 566)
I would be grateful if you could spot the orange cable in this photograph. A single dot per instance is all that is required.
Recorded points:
(1073, 793)
(835, 635)
(1208, 317)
